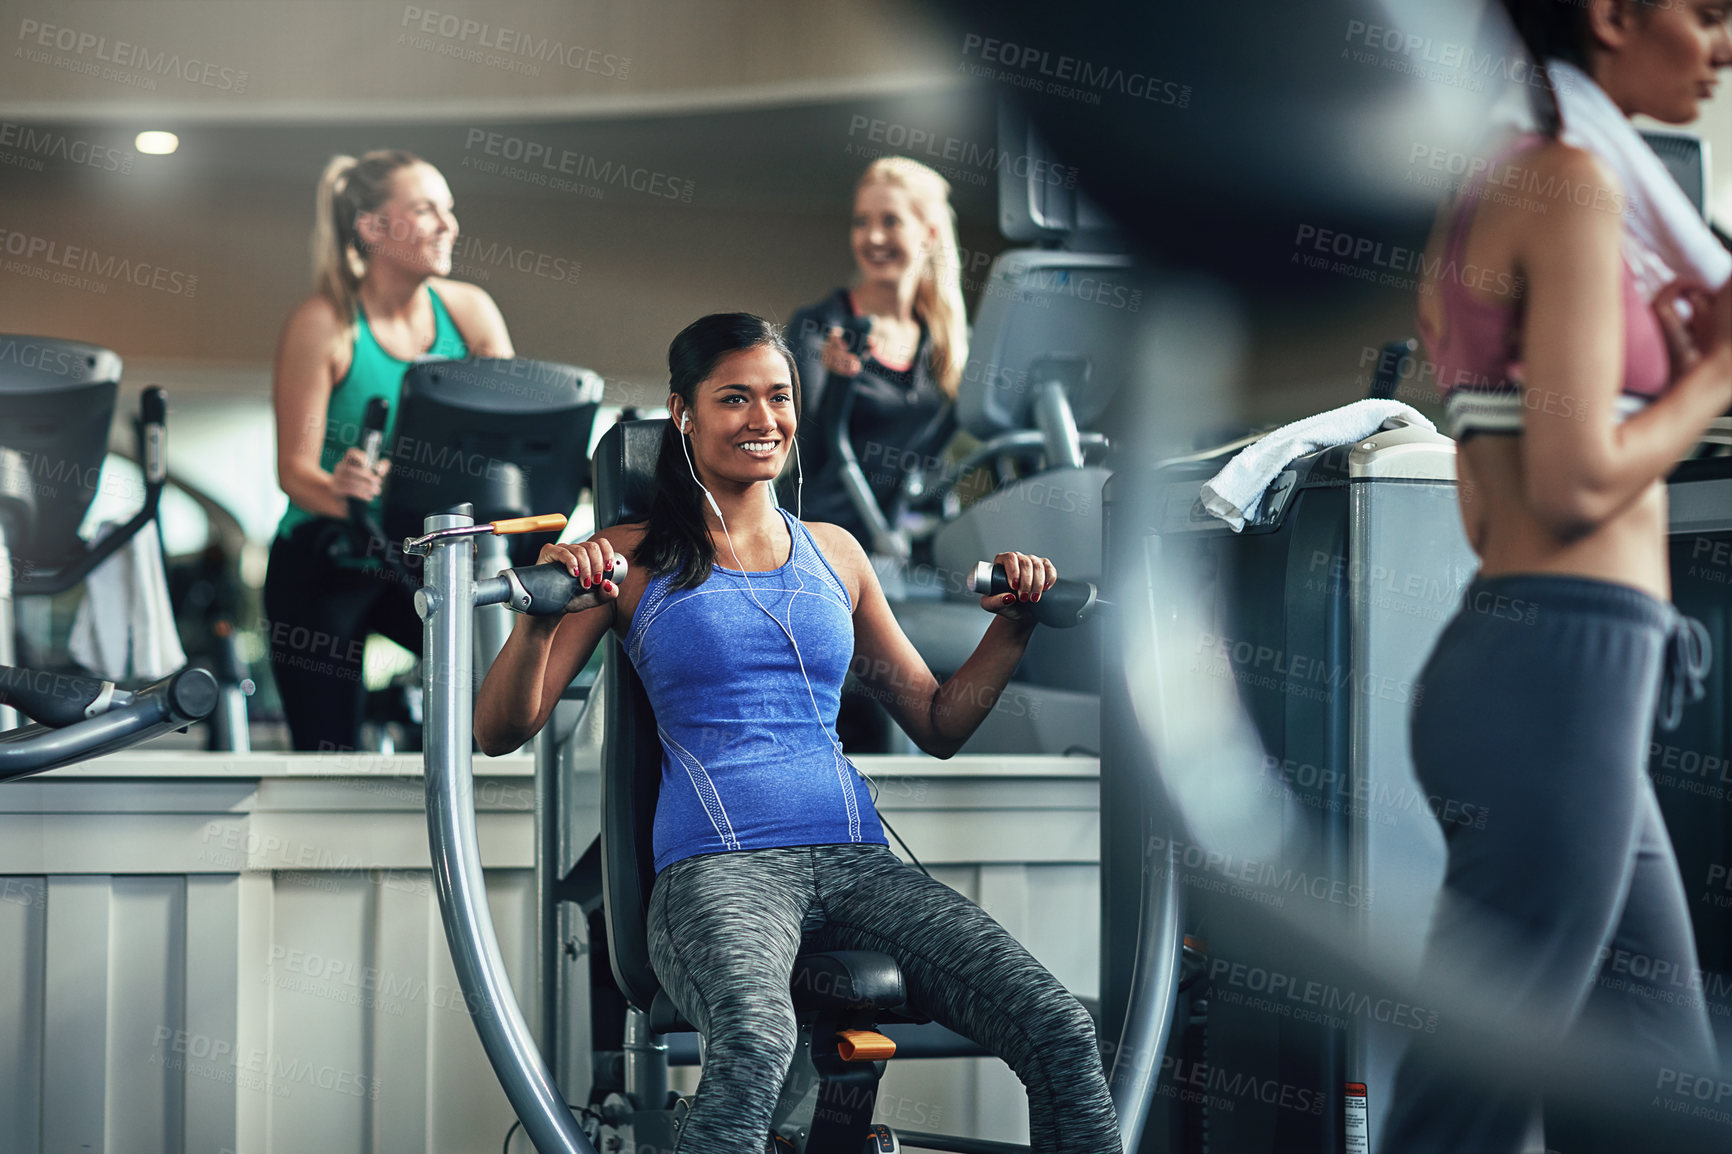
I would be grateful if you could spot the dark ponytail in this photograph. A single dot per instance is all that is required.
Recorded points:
(1560, 30)
(1550, 29)
(676, 539)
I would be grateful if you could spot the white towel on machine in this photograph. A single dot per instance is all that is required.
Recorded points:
(125, 624)
(1666, 239)
(1235, 492)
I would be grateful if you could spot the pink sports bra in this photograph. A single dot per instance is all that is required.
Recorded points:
(1478, 351)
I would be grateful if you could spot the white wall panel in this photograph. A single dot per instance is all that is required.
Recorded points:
(195, 963)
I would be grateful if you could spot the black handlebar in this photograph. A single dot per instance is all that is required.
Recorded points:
(1067, 604)
(372, 438)
(373, 429)
(550, 590)
(116, 719)
(54, 699)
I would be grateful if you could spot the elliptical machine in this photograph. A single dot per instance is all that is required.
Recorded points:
(56, 404)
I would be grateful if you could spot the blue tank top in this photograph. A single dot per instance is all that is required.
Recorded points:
(750, 758)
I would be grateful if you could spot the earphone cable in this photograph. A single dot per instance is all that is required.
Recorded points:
(787, 630)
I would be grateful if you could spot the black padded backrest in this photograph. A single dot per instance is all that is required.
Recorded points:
(631, 752)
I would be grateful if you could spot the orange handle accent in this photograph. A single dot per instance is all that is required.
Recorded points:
(545, 523)
(863, 1046)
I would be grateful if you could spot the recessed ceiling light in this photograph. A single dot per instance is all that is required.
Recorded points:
(157, 143)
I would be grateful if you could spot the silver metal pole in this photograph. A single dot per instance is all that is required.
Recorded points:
(546, 750)
(233, 735)
(492, 622)
(646, 1062)
(9, 718)
(1052, 412)
(446, 603)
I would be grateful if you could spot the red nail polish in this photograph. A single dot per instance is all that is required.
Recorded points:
(607, 585)
(586, 582)
(1009, 597)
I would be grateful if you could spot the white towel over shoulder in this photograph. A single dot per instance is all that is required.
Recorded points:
(1665, 238)
(1237, 490)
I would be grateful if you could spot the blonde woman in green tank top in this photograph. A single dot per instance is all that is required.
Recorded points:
(382, 242)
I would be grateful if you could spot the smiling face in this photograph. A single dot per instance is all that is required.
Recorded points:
(742, 417)
(891, 241)
(415, 229)
(1663, 59)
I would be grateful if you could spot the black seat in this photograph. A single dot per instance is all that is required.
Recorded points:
(844, 984)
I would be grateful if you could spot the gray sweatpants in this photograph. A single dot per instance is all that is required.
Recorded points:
(1566, 910)
(723, 933)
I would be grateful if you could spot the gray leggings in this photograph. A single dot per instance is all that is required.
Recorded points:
(1567, 906)
(723, 933)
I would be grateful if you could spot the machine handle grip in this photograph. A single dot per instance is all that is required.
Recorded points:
(53, 699)
(1066, 605)
(540, 523)
(373, 429)
(153, 405)
(372, 437)
(550, 590)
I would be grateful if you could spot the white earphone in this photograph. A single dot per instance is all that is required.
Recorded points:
(685, 426)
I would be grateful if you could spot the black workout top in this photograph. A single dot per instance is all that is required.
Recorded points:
(898, 417)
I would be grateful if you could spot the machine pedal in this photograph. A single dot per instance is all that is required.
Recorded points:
(882, 1140)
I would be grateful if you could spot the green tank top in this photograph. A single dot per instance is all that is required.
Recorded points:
(373, 372)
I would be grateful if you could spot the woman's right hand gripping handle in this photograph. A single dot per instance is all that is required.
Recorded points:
(545, 651)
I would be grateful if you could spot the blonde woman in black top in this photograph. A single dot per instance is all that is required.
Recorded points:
(894, 390)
